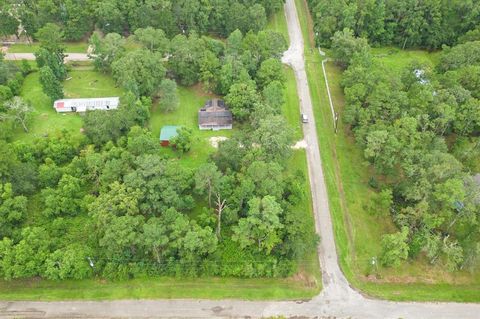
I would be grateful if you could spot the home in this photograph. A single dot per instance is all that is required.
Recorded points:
(83, 105)
(215, 115)
(167, 133)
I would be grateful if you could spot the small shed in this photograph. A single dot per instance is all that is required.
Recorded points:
(215, 115)
(83, 105)
(167, 133)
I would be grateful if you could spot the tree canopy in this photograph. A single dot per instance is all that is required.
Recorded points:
(408, 23)
(404, 123)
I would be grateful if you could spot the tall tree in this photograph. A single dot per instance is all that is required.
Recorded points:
(13, 210)
(394, 248)
(186, 55)
(139, 71)
(270, 70)
(8, 23)
(183, 141)
(207, 179)
(106, 50)
(51, 52)
(154, 40)
(168, 95)
(241, 99)
(19, 111)
(274, 136)
(345, 46)
(50, 84)
(51, 37)
(261, 226)
(70, 262)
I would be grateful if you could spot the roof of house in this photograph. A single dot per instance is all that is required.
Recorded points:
(215, 112)
(168, 132)
(100, 101)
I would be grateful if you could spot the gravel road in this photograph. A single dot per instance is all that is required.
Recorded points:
(31, 56)
(337, 299)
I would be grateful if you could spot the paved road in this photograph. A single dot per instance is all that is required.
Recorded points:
(337, 299)
(31, 56)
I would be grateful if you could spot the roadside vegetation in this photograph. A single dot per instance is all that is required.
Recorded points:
(359, 224)
(107, 210)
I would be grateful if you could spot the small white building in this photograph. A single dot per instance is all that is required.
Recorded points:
(83, 105)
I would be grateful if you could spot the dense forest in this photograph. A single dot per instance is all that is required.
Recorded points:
(108, 202)
(78, 18)
(420, 129)
(408, 23)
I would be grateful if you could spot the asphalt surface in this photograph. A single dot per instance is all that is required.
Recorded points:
(337, 299)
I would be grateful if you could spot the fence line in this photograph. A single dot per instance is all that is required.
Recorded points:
(334, 114)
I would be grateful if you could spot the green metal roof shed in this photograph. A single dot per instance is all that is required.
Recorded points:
(167, 133)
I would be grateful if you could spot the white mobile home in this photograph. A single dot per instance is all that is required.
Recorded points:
(83, 105)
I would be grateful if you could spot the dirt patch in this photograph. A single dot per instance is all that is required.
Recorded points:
(214, 140)
(200, 90)
(396, 279)
(300, 145)
(425, 276)
(307, 280)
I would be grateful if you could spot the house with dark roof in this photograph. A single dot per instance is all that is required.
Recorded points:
(167, 133)
(215, 115)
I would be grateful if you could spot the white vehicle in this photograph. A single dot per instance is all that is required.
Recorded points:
(304, 118)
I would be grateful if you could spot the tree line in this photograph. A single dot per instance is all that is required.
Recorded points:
(407, 23)
(78, 18)
(14, 111)
(71, 210)
(420, 130)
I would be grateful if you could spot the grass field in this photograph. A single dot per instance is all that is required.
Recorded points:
(155, 288)
(291, 108)
(357, 232)
(70, 47)
(82, 84)
(396, 59)
(310, 267)
(278, 23)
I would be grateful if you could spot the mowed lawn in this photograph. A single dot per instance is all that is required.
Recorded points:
(191, 99)
(396, 60)
(82, 84)
(156, 288)
(291, 108)
(278, 23)
(358, 233)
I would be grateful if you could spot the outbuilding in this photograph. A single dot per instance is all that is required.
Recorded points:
(83, 105)
(215, 115)
(167, 133)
